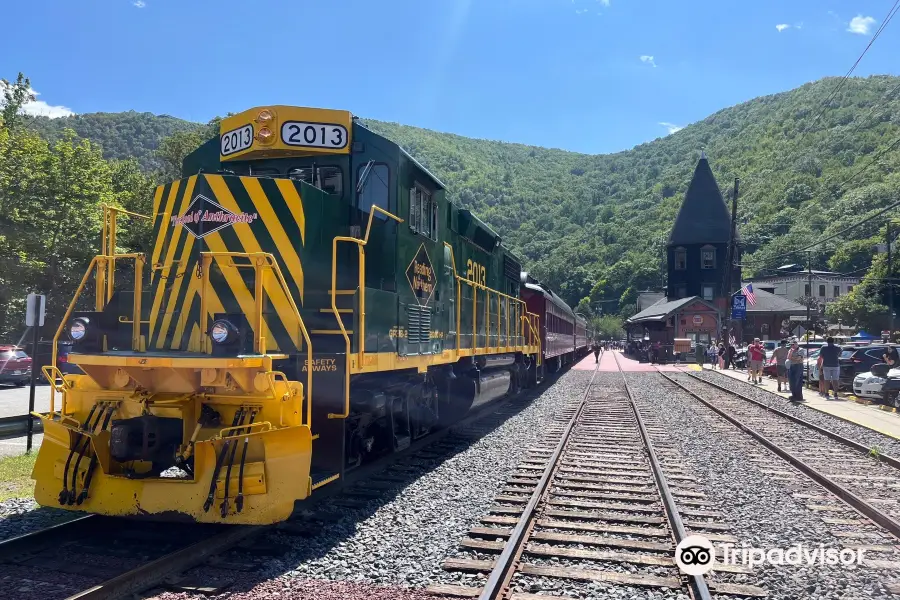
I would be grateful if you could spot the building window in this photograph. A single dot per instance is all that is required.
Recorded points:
(708, 292)
(806, 291)
(849, 288)
(372, 187)
(822, 290)
(422, 212)
(680, 259)
(707, 258)
(682, 292)
(837, 291)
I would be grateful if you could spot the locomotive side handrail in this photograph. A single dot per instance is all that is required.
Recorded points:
(533, 340)
(361, 271)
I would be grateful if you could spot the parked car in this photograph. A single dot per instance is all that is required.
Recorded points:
(860, 360)
(867, 385)
(44, 351)
(890, 389)
(15, 365)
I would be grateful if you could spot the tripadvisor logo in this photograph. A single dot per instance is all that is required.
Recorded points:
(696, 555)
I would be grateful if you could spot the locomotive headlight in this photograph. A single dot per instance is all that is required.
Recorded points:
(265, 136)
(223, 332)
(78, 328)
(264, 116)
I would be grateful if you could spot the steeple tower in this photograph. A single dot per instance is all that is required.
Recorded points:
(698, 242)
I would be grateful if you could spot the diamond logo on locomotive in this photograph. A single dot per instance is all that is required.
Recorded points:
(421, 277)
(204, 216)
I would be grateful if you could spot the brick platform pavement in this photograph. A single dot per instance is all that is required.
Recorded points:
(869, 416)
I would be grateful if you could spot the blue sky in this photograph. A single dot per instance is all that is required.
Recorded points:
(585, 75)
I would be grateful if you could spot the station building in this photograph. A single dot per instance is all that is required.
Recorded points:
(696, 304)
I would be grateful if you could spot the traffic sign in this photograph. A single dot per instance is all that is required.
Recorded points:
(34, 310)
(739, 307)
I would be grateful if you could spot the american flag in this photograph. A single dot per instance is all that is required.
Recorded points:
(748, 291)
(732, 340)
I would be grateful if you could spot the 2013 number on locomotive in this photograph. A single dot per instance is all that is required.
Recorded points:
(314, 135)
(236, 140)
(476, 272)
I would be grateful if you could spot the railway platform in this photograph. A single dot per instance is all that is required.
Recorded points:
(869, 416)
(608, 364)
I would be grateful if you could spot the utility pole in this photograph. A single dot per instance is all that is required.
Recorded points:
(730, 257)
(890, 281)
(808, 306)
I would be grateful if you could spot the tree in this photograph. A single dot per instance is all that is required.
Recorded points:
(175, 147)
(608, 327)
(15, 96)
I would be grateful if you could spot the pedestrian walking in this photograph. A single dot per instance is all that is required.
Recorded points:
(755, 356)
(780, 356)
(596, 348)
(831, 367)
(700, 354)
(732, 351)
(795, 371)
(712, 355)
(722, 356)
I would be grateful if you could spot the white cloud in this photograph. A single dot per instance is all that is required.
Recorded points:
(781, 27)
(860, 24)
(604, 2)
(672, 127)
(645, 58)
(581, 11)
(39, 108)
(139, 4)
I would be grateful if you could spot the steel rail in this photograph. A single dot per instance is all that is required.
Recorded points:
(854, 501)
(157, 571)
(497, 580)
(894, 462)
(699, 589)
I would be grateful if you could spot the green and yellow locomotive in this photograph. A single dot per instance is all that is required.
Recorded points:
(312, 301)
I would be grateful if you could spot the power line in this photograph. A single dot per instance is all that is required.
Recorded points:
(862, 221)
(840, 84)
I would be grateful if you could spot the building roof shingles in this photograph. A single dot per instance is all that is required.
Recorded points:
(703, 217)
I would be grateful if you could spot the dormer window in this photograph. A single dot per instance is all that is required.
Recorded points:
(680, 259)
(708, 257)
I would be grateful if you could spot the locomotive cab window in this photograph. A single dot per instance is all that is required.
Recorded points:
(372, 187)
(327, 179)
(422, 212)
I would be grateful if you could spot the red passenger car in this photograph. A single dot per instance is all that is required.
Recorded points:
(565, 336)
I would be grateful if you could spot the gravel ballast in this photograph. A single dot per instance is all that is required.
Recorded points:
(761, 510)
(19, 516)
(858, 433)
(401, 538)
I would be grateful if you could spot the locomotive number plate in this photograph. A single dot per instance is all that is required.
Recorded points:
(236, 140)
(314, 135)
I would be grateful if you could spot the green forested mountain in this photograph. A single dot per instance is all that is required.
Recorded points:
(595, 225)
(120, 135)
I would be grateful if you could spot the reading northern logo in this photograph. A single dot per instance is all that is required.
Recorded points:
(695, 555)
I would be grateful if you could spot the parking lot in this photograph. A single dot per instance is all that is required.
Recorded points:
(13, 402)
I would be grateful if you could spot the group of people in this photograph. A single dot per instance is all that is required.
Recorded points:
(788, 362)
(598, 347)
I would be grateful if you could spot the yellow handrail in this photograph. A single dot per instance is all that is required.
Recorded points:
(361, 335)
(106, 278)
(99, 261)
(264, 261)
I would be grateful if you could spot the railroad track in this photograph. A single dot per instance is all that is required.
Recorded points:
(95, 557)
(602, 501)
(834, 476)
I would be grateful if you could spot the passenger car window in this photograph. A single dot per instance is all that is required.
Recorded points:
(372, 187)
